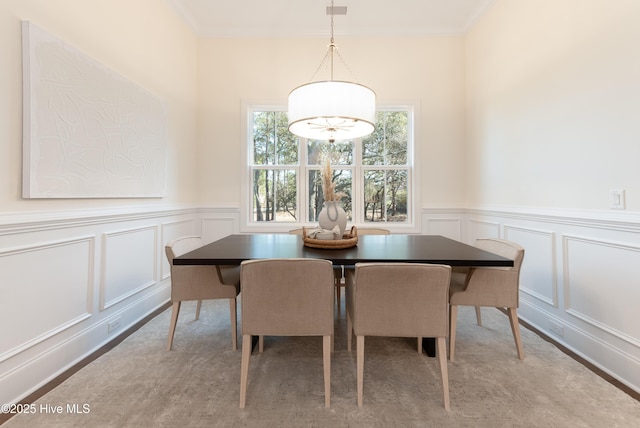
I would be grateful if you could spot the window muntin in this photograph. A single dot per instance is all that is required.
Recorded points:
(373, 174)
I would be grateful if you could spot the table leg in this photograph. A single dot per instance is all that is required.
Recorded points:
(429, 346)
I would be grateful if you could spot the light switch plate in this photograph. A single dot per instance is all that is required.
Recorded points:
(617, 199)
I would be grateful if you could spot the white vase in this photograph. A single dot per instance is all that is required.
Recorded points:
(333, 215)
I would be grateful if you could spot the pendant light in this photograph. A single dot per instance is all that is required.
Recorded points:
(331, 109)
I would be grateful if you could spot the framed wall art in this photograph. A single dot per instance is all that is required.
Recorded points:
(88, 131)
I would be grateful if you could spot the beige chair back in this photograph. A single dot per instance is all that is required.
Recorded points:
(287, 297)
(400, 299)
(494, 286)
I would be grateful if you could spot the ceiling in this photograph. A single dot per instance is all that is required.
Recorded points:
(298, 18)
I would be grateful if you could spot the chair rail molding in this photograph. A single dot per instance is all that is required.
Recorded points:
(34, 221)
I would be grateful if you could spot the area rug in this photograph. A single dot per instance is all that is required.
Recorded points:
(141, 384)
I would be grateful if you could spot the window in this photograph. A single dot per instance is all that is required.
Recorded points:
(274, 167)
(373, 174)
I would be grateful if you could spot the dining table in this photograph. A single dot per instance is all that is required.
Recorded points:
(410, 248)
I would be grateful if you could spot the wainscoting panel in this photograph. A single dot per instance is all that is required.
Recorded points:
(538, 273)
(129, 264)
(51, 287)
(449, 227)
(482, 229)
(602, 284)
(72, 281)
(216, 226)
(579, 281)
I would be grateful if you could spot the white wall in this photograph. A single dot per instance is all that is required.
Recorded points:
(553, 97)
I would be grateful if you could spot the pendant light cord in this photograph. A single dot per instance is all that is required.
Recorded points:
(332, 48)
(332, 45)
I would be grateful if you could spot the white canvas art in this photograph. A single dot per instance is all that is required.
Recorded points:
(88, 132)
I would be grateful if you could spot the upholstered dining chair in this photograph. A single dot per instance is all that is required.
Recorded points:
(199, 283)
(491, 286)
(398, 300)
(286, 297)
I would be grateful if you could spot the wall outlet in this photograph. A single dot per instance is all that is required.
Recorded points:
(617, 199)
(556, 328)
(114, 325)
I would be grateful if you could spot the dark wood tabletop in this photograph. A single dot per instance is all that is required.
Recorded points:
(435, 249)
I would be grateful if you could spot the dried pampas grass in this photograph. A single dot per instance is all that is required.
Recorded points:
(328, 186)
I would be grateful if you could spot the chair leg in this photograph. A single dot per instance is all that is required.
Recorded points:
(198, 306)
(419, 345)
(349, 332)
(338, 291)
(441, 350)
(453, 319)
(360, 366)
(234, 323)
(478, 315)
(175, 310)
(515, 328)
(244, 368)
(326, 363)
(261, 344)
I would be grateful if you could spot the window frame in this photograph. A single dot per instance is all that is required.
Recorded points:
(247, 225)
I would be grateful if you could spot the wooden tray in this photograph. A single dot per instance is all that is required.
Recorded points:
(348, 240)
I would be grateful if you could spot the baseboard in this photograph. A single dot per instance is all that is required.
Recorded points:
(604, 374)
